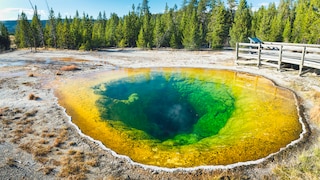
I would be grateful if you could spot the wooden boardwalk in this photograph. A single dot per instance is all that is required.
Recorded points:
(278, 55)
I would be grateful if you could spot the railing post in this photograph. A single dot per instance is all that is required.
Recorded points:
(280, 58)
(237, 52)
(302, 60)
(259, 55)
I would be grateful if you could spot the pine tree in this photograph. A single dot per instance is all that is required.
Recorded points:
(110, 30)
(65, 36)
(286, 35)
(276, 30)
(86, 32)
(4, 38)
(142, 41)
(191, 35)
(23, 36)
(264, 28)
(176, 32)
(98, 32)
(59, 30)
(37, 30)
(299, 25)
(232, 4)
(284, 10)
(240, 30)
(52, 30)
(158, 32)
(218, 28)
(168, 25)
(314, 10)
(75, 33)
(131, 28)
(275, 24)
(256, 20)
(189, 27)
(145, 34)
(203, 19)
(121, 40)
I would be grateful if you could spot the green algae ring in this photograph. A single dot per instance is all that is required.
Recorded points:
(168, 110)
(183, 117)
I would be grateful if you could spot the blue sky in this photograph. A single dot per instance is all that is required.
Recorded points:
(9, 9)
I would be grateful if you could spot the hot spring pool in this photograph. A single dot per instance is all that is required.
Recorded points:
(183, 117)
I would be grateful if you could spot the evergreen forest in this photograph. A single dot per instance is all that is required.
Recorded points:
(196, 24)
(4, 38)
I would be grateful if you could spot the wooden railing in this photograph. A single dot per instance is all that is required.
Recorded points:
(279, 54)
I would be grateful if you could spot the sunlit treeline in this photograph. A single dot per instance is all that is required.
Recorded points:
(197, 24)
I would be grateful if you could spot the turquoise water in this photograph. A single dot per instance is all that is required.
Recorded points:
(183, 110)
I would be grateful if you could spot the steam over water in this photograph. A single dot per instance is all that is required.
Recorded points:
(167, 107)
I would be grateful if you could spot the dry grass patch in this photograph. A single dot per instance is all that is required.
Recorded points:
(28, 84)
(15, 140)
(315, 111)
(72, 152)
(55, 162)
(78, 156)
(11, 162)
(315, 114)
(40, 150)
(58, 142)
(43, 141)
(28, 130)
(16, 111)
(92, 163)
(59, 153)
(37, 150)
(18, 132)
(25, 122)
(47, 170)
(45, 130)
(26, 147)
(305, 166)
(42, 160)
(6, 122)
(27, 116)
(48, 135)
(61, 138)
(76, 163)
(316, 95)
(33, 97)
(72, 143)
(73, 167)
(3, 110)
(18, 135)
(69, 68)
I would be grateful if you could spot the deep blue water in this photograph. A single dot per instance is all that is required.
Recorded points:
(166, 107)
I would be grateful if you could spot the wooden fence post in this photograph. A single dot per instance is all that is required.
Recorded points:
(259, 55)
(302, 60)
(237, 52)
(280, 58)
